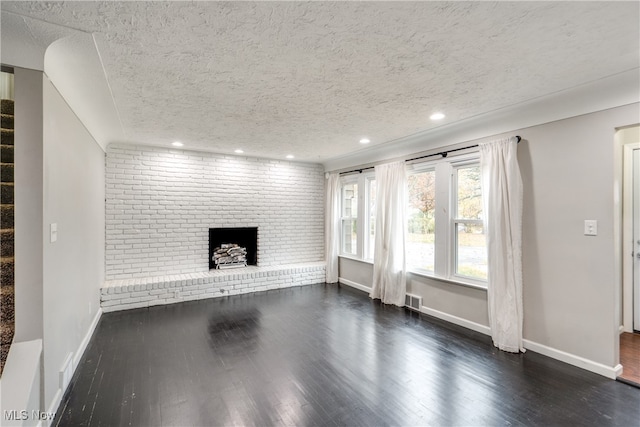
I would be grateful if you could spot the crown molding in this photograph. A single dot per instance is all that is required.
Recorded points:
(609, 92)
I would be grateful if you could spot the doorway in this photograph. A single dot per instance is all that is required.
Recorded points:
(636, 239)
(630, 321)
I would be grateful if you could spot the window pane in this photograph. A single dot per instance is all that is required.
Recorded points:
(421, 214)
(471, 251)
(469, 195)
(350, 218)
(350, 200)
(349, 236)
(372, 217)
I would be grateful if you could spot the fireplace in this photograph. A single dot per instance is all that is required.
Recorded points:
(246, 237)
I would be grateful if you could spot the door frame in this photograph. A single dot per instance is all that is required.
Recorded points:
(627, 235)
(635, 240)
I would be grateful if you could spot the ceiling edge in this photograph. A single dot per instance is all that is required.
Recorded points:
(70, 59)
(612, 91)
(74, 66)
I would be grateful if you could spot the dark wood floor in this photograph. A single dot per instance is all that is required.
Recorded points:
(630, 357)
(322, 355)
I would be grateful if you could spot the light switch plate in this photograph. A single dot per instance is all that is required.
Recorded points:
(590, 227)
(54, 232)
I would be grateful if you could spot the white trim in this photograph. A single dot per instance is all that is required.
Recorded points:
(572, 359)
(626, 231)
(354, 285)
(57, 398)
(609, 92)
(456, 320)
(617, 370)
(53, 407)
(66, 372)
(562, 356)
(85, 341)
(353, 258)
(455, 280)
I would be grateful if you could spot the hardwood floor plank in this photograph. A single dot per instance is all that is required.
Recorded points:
(630, 357)
(322, 355)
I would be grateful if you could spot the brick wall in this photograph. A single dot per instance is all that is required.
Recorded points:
(161, 203)
(136, 293)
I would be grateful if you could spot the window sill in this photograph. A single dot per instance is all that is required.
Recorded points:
(426, 275)
(354, 258)
(454, 281)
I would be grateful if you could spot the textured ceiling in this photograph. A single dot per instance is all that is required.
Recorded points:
(311, 79)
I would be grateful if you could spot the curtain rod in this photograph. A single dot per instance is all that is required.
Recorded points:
(441, 153)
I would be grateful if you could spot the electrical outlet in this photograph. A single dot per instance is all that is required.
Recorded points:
(54, 232)
(590, 227)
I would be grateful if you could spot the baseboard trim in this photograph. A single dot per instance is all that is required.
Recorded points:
(53, 408)
(57, 398)
(354, 285)
(429, 311)
(85, 341)
(456, 320)
(572, 359)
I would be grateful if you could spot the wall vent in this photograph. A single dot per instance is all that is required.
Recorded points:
(413, 302)
(66, 372)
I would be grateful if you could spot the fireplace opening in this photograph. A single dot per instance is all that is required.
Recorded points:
(244, 237)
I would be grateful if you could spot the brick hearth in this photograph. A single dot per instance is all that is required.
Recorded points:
(144, 292)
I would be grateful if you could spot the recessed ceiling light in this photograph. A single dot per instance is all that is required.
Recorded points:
(238, 151)
(289, 156)
(177, 144)
(437, 116)
(365, 141)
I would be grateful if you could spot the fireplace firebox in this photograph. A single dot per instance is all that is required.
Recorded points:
(246, 237)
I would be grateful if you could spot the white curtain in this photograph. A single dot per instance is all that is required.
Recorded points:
(389, 266)
(332, 227)
(502, 197)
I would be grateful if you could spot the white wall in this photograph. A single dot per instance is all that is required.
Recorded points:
(21, 383)
(162, 202)
(74, 194)
(28, 204)
(570, 286)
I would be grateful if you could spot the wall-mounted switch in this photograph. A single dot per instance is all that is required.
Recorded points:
(590, 227)
(54, 232)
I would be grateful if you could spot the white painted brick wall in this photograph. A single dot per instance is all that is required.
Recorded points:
(162, 202)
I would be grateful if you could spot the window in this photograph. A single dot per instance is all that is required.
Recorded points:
(470, 241)
(358, 206)
(445, 234)
(349, 207)
(444, 213)
(422, 221)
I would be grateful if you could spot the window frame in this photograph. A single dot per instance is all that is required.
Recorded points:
(417, 168)
(445, 247)
(363, 218)
(455, 219)
(445, 255)
(344, 181)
